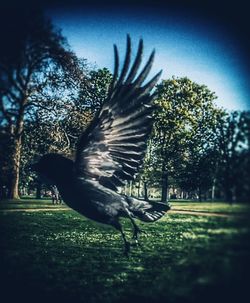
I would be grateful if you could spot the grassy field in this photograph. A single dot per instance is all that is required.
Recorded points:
(217, 207)
(62, 257)
(27, 203)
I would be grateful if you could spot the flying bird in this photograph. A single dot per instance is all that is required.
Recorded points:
(111, 151)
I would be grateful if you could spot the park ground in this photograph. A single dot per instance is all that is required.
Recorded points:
(191, 255)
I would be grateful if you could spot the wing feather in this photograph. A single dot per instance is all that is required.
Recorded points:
(112, 148)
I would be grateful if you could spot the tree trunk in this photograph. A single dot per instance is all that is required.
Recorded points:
(38, 189)
(127, 188)
(213, 192)
(199, 194)
(229, 195)
(139, 187)
(130, 188)
(145, 191)
(16, 155)
(164, 191)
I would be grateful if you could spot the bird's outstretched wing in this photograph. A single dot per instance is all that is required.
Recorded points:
(112, 148)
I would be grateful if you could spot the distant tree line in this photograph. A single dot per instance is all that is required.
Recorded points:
(196, 147)
(48, 96)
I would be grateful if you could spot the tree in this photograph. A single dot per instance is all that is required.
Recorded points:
(198, 171)
(5, 149)
(149, 173)
(85, 105)
(37, 68)
(233, 143)
(184, 118)
(59, 130)
(94, 91)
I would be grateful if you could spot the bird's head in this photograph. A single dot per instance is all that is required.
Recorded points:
(53, 167)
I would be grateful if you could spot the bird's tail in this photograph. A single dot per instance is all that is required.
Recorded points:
(147, 211)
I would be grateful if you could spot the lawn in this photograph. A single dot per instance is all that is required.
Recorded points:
(29, 203)
(62, 257)
(217, 207)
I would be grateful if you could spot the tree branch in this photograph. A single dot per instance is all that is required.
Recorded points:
(5, 113)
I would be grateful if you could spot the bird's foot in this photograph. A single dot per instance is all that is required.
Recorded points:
(135, 237)
(136, 233)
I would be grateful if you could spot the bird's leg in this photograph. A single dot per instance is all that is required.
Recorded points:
(137, 230)
(126, 244)
(118, 226)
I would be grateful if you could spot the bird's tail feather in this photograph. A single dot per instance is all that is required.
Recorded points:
(147, 211)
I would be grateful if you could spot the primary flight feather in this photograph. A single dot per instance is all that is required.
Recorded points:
(111, 151)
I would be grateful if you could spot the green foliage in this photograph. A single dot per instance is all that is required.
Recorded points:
(183, 134)
(48, 96)
(233, 144)
(93, 93)
(38, 72)
(58, 131)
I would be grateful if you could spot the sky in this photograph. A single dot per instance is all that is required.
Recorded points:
(186, 43)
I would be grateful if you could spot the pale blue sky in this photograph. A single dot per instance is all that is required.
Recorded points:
(185, 45)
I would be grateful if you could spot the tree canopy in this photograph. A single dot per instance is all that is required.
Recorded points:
(37, 72)
(185, 120)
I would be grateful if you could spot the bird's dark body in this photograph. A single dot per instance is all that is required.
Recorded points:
(110, 152)
(87, 197)
(100, 204)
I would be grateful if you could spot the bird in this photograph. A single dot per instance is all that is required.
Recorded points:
(111, 151)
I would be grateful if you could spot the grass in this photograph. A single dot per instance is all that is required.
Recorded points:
(218, 207)
(29, 203)
(63, 257)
